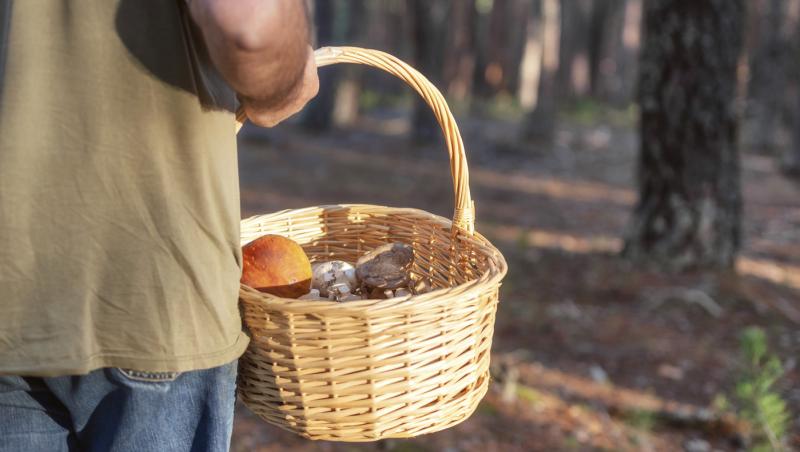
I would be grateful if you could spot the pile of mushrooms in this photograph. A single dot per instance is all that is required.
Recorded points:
(384, 272)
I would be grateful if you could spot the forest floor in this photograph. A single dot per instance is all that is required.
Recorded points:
(590, 352)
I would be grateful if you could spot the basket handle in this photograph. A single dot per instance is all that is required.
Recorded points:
(464, 212)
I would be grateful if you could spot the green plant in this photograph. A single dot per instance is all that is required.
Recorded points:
(759, 403)
(591, 112)
(370, 99)
(721, 404)
(529, 394)
(584, 111)
(644, 420)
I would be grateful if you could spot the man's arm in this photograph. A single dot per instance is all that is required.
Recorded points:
(261, 47)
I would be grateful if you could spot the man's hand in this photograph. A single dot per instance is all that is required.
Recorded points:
(268, 114)
(262, 49)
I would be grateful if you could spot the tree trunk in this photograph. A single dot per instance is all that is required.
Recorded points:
(498, 28)
(769, 64)
(689, 209)
(626, 60)
(459, 63)
(514, 45)
(348, 93)
(501, 30)
(791, 159)
(428, 20)
(318, 116)
(573, 70)
(599, 32)
(608, 55)
(545, 28)
(791, 156)
(482, 22)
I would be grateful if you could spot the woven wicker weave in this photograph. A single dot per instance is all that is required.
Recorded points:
(373, 369)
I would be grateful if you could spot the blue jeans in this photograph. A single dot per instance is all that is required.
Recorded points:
(114, 410)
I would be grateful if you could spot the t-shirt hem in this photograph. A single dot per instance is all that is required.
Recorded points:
(144, 363)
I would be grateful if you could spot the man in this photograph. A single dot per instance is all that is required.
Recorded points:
(119, 212)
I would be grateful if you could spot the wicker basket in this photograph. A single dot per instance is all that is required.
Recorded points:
(373, 369)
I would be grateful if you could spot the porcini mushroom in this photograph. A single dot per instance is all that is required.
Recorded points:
(385, 268)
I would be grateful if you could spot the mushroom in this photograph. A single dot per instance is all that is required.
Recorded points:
(385, 268)
(325, 275)
(339, 291)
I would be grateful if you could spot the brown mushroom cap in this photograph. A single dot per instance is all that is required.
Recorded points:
(386, 267)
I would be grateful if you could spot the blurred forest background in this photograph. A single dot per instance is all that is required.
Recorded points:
(637, 163)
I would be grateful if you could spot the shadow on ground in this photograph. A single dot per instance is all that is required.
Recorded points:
(590, 352)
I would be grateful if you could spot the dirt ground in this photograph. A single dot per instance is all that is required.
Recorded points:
(590, 353)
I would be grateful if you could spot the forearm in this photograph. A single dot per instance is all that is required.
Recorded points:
(259, 46)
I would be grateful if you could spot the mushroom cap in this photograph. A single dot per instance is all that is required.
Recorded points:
(325, 275)
(386, 267)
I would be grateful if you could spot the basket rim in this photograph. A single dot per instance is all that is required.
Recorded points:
(491, 278)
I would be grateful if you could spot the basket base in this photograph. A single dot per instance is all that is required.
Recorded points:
(429, 419)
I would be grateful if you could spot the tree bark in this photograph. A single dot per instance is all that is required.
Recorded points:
(791, 156)
(544, 27)
(608, 55)
(791, 159)
(428, 19)
(768, 81)
(626, 60)
(689, 209)
(599, 32)
(482, 23)
(498, 24)
(348, 92)
(459, 63)
(502, 33)
(573, 70)
(319, 113)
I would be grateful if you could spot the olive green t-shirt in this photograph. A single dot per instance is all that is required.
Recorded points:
(119, 203)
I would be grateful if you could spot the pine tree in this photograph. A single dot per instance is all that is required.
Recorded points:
(689, 208)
